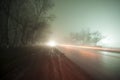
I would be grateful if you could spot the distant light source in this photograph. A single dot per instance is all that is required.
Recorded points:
(52, 43)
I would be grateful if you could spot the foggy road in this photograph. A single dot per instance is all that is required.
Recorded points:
(59, 40)
(59, 63)
(42, 64)
(99, 64)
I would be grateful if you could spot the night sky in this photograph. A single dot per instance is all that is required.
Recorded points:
(98, 15)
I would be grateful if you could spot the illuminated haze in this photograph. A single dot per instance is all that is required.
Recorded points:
(98, 15)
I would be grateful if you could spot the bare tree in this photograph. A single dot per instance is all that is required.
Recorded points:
(4, 16)
(85, 37)
(25, 19)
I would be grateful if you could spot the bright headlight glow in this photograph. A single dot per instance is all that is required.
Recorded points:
(52, 43)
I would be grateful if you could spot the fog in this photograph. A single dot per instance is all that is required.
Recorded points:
(98, 15)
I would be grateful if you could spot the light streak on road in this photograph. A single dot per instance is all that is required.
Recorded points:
(91, 47)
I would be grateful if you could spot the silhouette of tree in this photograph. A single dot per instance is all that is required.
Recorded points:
(24, 21)
(85, 37)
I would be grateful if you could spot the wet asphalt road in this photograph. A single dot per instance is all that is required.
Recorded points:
(101, 65)
(40, 64)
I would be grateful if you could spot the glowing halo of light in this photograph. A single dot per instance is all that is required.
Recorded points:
(52, 43)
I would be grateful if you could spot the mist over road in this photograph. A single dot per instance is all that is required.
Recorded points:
(40, 64)
(101, 65)
(58, 63)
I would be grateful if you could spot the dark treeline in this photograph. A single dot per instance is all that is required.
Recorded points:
(24, 22)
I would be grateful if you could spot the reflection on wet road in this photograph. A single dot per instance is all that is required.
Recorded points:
(99, 64)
